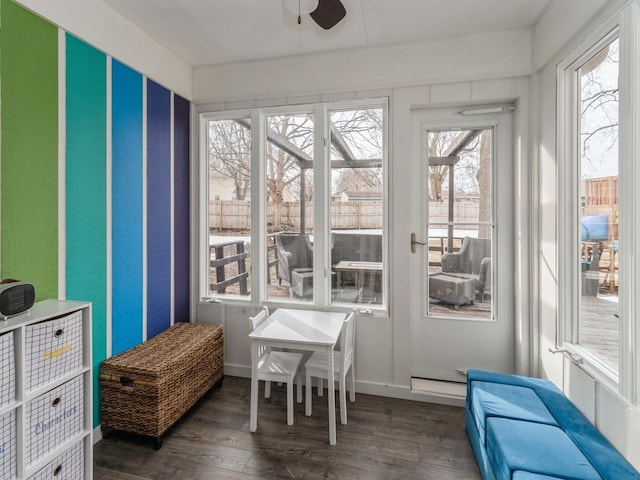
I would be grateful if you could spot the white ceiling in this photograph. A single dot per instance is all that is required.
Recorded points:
(208, 32)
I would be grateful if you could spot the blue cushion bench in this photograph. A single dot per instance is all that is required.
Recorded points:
(523, 428)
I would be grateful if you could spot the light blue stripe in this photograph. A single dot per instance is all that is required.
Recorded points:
(127, 208)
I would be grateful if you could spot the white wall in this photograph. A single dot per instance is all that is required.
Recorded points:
(456, 71)
(452, 59)
(105, 29)
(616, 419)
(558, 25)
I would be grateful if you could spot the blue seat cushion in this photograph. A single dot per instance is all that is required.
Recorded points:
(514, 445)
(507, 401)
(520, 475)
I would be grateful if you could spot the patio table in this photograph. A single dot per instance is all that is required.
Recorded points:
(361, 271)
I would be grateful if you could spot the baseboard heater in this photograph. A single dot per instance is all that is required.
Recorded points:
(440, 388)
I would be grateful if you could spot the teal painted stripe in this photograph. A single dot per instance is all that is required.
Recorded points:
(29, 149)
(86, 190)
(127, 204)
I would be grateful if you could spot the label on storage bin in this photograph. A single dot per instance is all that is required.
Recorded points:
(8, 445)
(53, 418)
(54, 348)
(68, 466)
(7, 369)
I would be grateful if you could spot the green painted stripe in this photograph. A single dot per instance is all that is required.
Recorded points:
(86, 189)
(29, 92)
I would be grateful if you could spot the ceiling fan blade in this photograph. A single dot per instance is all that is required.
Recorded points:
(328, 13)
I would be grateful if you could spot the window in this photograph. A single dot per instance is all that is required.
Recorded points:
(320, 206)
(598, 114)
(591, 205)
(289, 186)
(599, 205)
(228, 161)
(460, 222)
(356, 219)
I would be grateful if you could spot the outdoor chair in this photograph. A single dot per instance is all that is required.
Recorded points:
(473, 260)
(277, 367)
(294, 251)
(316, 366)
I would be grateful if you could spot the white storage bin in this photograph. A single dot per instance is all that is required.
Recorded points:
(68, 466)
(8, 445)
(53, 348)
(53, 418)
(7, 369)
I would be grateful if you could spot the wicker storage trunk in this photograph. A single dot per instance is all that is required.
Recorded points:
(147, 388)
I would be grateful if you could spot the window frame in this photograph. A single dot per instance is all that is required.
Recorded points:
(624, 26)
(321, 206)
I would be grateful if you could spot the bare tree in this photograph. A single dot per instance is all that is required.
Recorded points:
(284, 169)
(441, 144)
(437, 173)
(361, 130)
(599, 101)
(289, 154)
(230, 153)
(472, 166)
(360, 179)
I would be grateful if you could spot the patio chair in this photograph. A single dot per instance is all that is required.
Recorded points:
(316, 366)
(294, 251)
(473, 260)
(277, 367)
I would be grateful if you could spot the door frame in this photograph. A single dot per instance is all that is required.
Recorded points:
(436, 340)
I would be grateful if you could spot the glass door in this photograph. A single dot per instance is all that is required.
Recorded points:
(462, 283)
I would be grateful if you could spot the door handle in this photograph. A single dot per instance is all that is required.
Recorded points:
(415, 242)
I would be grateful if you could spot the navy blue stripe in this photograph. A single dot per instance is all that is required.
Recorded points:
(181, 221)
(158, 208)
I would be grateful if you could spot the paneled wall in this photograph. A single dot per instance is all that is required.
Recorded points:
(95, 183)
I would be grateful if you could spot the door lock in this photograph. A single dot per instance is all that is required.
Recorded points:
(415, 242)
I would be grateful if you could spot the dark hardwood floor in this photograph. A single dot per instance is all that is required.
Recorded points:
(384, 439)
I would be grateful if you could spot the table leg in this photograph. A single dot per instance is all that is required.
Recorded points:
(332, 397)
(253, 415)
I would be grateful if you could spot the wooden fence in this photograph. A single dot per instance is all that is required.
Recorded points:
(601, 198)
(236, 215)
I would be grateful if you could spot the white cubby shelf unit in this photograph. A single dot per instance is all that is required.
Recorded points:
(46, 424)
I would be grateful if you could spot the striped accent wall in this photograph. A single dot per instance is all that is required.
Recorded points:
(158, 208)
(86, 188)
(95, 183)
(127, 207)
(181, 208)
(29, 122)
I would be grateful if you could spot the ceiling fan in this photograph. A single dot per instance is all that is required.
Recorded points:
(326, 13)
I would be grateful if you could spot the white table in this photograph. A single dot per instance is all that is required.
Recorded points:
(298, 330)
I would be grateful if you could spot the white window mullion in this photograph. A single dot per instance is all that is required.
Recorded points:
(629, 231)
(566, 330)
(321, 206)
(258, 208)
(203, 213)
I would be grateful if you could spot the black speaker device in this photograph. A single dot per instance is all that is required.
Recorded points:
(16, 297)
